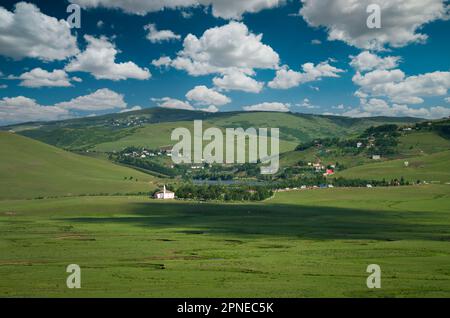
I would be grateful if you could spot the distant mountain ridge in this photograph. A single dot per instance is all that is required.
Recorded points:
(93, 132)
(159, 114)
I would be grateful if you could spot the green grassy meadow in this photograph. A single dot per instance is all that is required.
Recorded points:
(297, 244)
(59, 208)
(420, 143)
(157, 135)
(430, 168)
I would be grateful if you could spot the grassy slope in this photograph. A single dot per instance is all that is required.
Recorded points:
(30, 169)
(422, 198)
(99, 133)
(312, 155)
(419, 143)
(293, 129)
(151, 136)
(429, 168)
(298, 244)
(411, 144)
(156, 135)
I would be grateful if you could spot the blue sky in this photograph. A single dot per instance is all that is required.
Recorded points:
(403, 69)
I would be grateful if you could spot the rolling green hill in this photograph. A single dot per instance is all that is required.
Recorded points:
(31, 169)
(152, 127)
(419, 143)
(154, 136)
(430, 168)
(410, 144)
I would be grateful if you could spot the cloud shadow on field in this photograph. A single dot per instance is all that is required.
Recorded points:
(306, 222)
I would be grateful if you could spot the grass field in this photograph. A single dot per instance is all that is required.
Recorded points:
(31, 169)
(313, 243)
(156, 135)
(297, 244)
(151, 136)
(420, 143)
(430, 168)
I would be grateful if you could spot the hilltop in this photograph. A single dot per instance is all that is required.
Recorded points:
(151, 127)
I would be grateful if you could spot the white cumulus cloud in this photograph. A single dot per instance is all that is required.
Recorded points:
(286, 78)
(230, 51)
(102, 99)
(157, 36)
(163, 61)
(23, 109)
(399, 88)
(41, 78)
(306, 103)
(227, 9)
(234, 80)
(205, 96)
(220, 49)
(268, 107)
(379, 107)
(99, 59)
(401, 20)
(27, 32)
(209, 109)
(131, 109)
(366, 61)
(172, 103)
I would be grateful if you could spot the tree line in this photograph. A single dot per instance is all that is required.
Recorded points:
(223, 193)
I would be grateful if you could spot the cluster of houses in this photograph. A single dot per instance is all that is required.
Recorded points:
(144, 153)
(128, 122)
(370, 144)
(198, 167)
(304, 187)
(314, 187)
(320, 168)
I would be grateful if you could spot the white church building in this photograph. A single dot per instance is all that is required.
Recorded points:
(165, 194)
